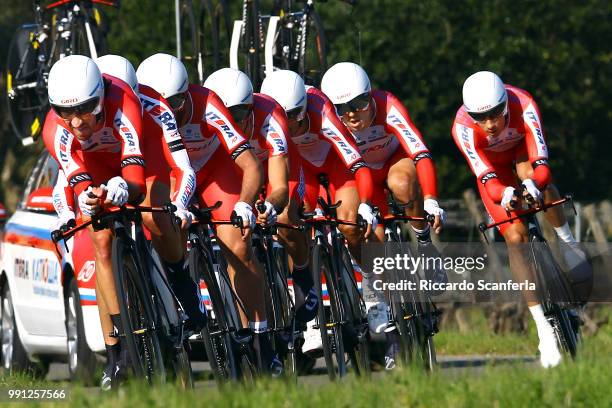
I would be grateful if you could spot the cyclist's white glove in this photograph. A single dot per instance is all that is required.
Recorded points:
(63, 218)
(368, 215)
(532, 189)
(271, 213)
(318, 212)
(507, 196)
(431, 207)
(117, 191)
(86, 209)
(245, 211)
(184, 215)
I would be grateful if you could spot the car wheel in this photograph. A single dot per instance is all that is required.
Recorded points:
(81, 360)
(14, 356)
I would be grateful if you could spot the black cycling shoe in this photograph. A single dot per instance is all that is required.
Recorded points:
(307, 310)
(188, 293)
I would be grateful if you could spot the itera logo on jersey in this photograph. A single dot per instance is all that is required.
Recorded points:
(331, 134)
(401, 125)
(129, 137)
(535, 125)
(63, 145)
(189, 188)
(467, 143)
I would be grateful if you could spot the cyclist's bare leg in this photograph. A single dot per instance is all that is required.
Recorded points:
(167, 238)
(105, 320)
(295, 242)
(245, 272)
(104, 271)
(348, 212)
(555, 215)
(521, 266)
(403, 181)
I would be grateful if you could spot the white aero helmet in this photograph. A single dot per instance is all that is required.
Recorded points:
(76, 82)
(233, 86)
(484, 94)
(344, 82)
(118, 67)
(288, 89)
(164, 73)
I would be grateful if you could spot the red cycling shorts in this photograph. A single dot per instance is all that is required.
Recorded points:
(339, 177)
(219, 180)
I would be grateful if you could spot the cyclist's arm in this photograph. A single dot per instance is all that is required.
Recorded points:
(160, 118)
(62, 146)
(483, 170)
(127, 121)
(398, 122)
(63, 197)
(536, 146)
(334, 131)
(218, 121)
(276, 134)
(278, 177)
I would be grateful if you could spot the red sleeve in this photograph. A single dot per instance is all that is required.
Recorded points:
(159, 122)
(365, 184)
(62, 145)
(220, 122)
(537, 150)
(275, 130)
(333, 131)
(465, 139)
(127, 120)
(398, 122)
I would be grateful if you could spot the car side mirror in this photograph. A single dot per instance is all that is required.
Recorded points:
(41, 200)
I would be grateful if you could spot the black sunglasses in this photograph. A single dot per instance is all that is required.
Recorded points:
(240, 112)
(177, 101)
(296, 113)
(491, 113)
(85, 108)
(358, 103)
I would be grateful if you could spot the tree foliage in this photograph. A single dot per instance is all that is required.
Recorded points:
(422, 51)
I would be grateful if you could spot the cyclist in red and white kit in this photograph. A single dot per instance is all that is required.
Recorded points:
(226, 170)
(499, 131)
(164, 152)
(324, 146)
(265, 122)
(94, 132)
(394, 149)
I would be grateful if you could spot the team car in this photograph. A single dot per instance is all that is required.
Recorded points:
(48, 303)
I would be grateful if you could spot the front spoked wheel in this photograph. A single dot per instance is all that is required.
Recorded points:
(215, 335)
(356, 332)
(329, 320)
(139, 323)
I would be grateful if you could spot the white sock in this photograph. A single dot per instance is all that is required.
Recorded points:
(542, 324)
(259, 327)
(565, 234)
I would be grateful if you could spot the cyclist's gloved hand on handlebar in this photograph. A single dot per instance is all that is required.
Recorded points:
(185, 215)
(367, 213)
(508, 196)
(533, 191)
(245, 211)
(116, 191)
(64, 218)
(89, 203)
(431, 207)
(269, 216)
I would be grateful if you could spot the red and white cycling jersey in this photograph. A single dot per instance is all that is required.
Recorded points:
(326, 132)
(162, 131)
(113, 148)
(390, 129)
(487, 154)
(209, 128)
(270, 133)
